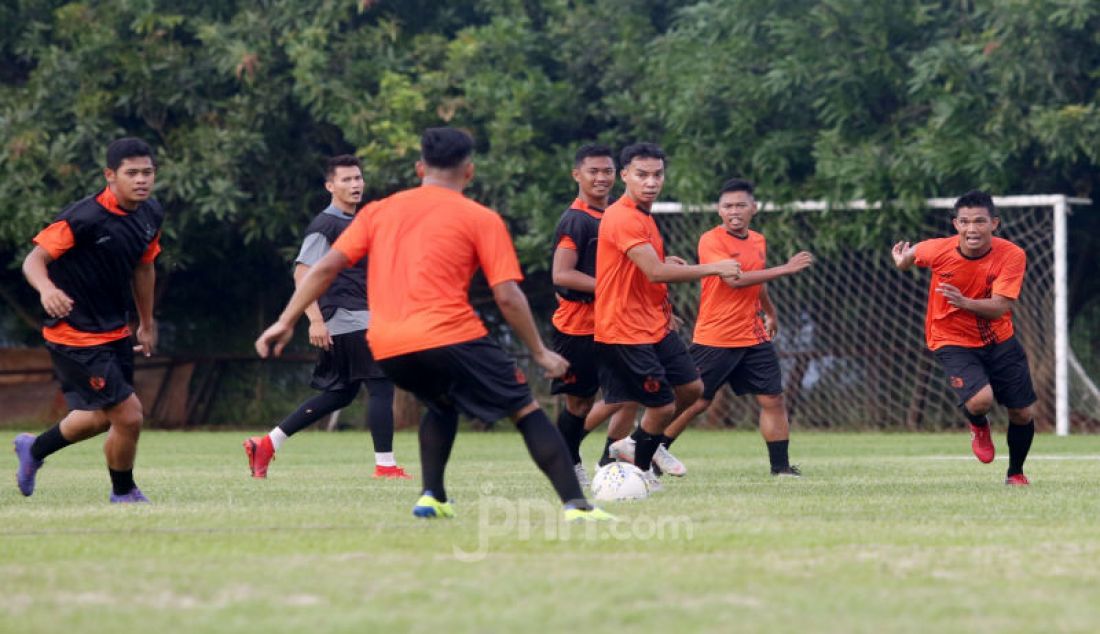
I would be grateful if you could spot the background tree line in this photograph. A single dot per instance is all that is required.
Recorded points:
(891, 100)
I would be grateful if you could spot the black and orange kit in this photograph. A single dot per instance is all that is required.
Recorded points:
(95, 246)
(574, 321)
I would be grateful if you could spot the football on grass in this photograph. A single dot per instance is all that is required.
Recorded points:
(619, 481)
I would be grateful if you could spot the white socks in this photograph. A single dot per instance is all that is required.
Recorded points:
(277, 438)
(384, 459)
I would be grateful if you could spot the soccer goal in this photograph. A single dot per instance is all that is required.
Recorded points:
(851, 328)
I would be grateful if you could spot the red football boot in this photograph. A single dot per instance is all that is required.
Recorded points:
(390, 473)
(260, 453)
(981, 442)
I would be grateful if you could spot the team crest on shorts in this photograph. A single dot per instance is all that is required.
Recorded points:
(569, 378)
(957, 382)
(520, 376)
(97, 383)
(651, 385)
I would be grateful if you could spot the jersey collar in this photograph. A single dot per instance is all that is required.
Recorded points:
(631, 203)
(108, 201)
(580, 205)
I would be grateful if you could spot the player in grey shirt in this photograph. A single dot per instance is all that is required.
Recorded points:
(338, 324)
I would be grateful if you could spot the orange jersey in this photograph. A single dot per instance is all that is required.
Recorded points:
(730, 317)
(424, 245)
(629, 308)
(999, 272)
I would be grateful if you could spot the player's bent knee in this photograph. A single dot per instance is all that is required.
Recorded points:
(771, 401)
(127, 415)
(689, 392)
(1021, 416)
(524, 411)
(578, 405)
(980, 403)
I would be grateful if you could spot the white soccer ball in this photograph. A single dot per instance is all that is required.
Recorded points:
(618, 481)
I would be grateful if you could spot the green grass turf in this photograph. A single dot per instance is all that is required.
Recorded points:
(886, 533)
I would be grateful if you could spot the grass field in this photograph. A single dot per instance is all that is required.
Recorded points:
(886, 533)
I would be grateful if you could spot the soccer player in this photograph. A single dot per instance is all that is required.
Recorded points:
(646, 361)
(424, 246)
(86, 265)
(732, 344)
(976, 279)
(338, 326)
(574, 276)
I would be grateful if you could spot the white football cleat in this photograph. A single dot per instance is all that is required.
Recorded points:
(622, 450)
(652, 483)
(668, 463)
(582, 475)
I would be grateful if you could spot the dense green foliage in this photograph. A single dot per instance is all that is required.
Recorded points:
(811, 98)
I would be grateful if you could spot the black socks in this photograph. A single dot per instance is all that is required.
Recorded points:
(1019, 444)
(122, 482)
(645, 445)
(572, 430)
(777, 454)
(380, 414)
(48, 442)
(547, 449)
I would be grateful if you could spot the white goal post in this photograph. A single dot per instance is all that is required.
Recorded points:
(851, 322)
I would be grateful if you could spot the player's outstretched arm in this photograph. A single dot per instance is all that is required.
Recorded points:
(644, 256)
(564, 272)
(798, 262)
(54, 300)
(145, 280)
(904, 255)
(313, 285)
(517, 312)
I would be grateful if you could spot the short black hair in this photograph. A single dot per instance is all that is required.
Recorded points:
(445, 148)
(589, 150)
(642, 150)
(737, 185)
(128, 147)
(344, 160)
(976, 198)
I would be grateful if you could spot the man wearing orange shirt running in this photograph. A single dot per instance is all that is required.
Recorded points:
(976, 279)
(425, 244)
(732, 344)
(574, 274)
(646, 361)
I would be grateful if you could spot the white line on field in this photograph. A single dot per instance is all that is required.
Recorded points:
(1029, 458)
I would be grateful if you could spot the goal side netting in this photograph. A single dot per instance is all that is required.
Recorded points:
(851, 328)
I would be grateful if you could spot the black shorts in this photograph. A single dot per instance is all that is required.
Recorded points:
(347, 363)
(748, 370)
(1002, 366)
(477, 377)
(583, 378)
(645, 373)
(94, 377)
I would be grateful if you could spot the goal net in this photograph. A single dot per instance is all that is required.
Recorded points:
(851, 328)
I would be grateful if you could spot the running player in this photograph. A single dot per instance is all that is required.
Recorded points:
(86, 265)
(425, 244)
(732, 344)
(976, 279)
(338, 326)
(647, 362)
